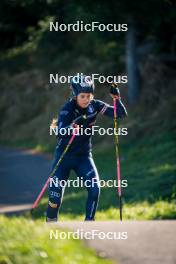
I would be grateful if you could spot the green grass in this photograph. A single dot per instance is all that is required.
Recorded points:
(142, 211)
(131, 211)
(26, 241)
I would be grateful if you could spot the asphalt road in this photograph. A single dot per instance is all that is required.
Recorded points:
(22, 175)
(148, 242)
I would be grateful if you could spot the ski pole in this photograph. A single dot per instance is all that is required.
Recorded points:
(54, 170)
(117, 157)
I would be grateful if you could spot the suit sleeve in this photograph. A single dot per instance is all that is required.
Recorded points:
(108, 110)
(65, 120)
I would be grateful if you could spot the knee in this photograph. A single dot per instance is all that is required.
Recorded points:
(54, 199)
(55, 191)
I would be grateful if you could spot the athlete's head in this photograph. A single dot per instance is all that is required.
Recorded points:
(84, 99)
(82, 88)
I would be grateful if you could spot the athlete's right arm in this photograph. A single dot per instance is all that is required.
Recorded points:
(65, 122)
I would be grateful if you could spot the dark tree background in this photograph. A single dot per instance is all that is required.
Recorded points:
(150, 23)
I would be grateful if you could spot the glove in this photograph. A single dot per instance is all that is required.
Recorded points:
(114, 90)
(80, 120)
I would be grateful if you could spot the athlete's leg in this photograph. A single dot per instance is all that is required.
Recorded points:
(56, 187)
(87, 170)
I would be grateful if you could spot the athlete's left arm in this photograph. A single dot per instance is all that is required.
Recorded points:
(108, 110)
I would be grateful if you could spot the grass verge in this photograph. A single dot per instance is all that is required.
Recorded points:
(26, 241)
